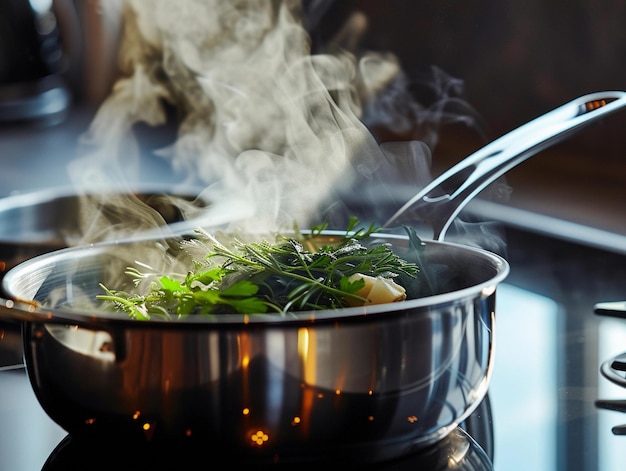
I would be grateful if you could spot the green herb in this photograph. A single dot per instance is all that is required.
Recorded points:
(291, 274)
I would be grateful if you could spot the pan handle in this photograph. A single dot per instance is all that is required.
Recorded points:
(444, 198)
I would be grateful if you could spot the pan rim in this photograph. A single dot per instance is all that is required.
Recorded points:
(25, 309)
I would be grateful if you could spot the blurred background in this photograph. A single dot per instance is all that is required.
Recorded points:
(507, 61)
(518, 59)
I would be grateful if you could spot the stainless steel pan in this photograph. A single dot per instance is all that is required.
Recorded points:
(360, 384)
(38, 222)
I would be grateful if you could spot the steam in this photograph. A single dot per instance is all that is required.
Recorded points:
(272, 133)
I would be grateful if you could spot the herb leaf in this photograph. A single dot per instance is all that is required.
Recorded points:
(291, 274)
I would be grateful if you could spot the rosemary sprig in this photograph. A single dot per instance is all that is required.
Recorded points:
(291, 274)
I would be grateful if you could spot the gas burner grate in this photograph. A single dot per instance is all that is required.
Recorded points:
(614, 369)
(611, 309)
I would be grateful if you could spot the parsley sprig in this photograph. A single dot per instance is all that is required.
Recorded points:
(291, 274)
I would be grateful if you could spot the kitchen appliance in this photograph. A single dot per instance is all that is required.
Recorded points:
(542, 393)
(614, 368)
(34, 58)
(466, 448)
(461, 450)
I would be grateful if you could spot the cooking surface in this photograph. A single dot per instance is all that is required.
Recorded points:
(549, 342)
(545, 383)
(50, 449)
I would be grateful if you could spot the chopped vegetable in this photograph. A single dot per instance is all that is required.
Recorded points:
(292, 274)
(377, 290)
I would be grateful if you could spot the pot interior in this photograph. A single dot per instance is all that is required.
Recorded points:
(66, 282)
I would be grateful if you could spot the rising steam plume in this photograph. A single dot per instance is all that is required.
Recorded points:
(273, 133)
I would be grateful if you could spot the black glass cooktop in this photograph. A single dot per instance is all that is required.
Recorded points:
(30, 441)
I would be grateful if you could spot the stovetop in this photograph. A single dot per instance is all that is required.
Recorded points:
(547, 403)
(31, 441)
(549, 406)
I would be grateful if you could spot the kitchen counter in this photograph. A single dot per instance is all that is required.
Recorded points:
(36, 156)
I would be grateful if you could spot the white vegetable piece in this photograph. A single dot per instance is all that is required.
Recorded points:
(378, 290)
